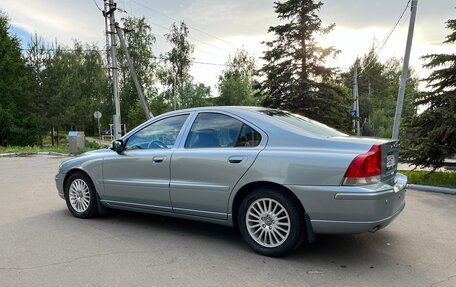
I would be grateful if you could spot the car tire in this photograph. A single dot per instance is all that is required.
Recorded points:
(81, 196)
(271, 222)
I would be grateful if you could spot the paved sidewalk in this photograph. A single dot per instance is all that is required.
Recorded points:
(430, 188)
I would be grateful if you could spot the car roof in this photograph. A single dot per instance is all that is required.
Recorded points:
(222, 108)
(249, 111)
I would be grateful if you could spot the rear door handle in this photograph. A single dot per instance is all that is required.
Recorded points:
(236, 159)
(158, 159)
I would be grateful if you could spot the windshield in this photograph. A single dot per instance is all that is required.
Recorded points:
(304, 123)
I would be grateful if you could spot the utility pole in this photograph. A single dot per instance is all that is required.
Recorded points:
(369, 95)
(174, 92)
(404, 75)
(105, 15)
(133, 73)
(115, 80)
(356, 127)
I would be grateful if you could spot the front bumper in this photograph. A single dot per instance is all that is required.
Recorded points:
(352, 209)
(59, 178)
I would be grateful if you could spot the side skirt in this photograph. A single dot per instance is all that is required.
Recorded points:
(164, 211)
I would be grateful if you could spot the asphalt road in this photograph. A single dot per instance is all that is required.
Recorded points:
(41, 244)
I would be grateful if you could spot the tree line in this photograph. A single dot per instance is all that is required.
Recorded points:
(50, 87)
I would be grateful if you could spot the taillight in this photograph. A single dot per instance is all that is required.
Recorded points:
(365, 168)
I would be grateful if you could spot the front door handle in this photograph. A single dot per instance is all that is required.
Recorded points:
(158, 159)
(236, 159)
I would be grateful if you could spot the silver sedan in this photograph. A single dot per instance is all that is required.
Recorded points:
(279, 178)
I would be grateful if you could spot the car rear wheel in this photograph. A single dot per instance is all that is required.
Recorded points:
(270, 222)
(80, 196)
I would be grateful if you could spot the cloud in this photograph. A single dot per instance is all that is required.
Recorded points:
(243, 23)
(61, 20)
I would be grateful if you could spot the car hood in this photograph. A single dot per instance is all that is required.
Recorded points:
(97, 151)
(82, 159)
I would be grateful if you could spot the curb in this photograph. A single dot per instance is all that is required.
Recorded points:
(34, 153)
(430, 188)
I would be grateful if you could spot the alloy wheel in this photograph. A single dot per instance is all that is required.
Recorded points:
(79, 195)
(268, 222)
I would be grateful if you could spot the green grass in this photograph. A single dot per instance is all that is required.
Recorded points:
(438, 178)
(60, 148)
(32, 149)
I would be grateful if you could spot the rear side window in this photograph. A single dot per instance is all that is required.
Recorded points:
(248, 137)
(304, 123)
(213, 130)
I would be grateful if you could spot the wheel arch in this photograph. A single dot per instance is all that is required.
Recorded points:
(249, 187)
(73, 171)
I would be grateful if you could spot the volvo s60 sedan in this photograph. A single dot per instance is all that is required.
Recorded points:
(278, 177)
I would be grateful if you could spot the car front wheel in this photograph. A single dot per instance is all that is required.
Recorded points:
(271, 222)
(80, 196)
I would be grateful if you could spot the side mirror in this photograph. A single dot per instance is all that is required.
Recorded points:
(117, 146)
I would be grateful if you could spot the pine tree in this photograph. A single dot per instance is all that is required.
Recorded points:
(296, 78)
(432, 134)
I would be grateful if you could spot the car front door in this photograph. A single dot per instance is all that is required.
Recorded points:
(139, 176)
(217, 152)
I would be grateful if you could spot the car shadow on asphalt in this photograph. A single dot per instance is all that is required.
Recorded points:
(332, 249)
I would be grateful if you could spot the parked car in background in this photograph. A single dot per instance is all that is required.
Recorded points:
(279, 178)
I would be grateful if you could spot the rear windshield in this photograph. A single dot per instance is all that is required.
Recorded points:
(304, 123)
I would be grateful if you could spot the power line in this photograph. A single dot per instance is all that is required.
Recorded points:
(192, 38)
(394, 28)
(207, 63)
(189, 37)
(96, 4)
(369, 66)
(104, 50)
(196, 49)
(63, 50)
(175, 20)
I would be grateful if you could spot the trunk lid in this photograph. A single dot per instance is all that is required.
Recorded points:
(389, 153)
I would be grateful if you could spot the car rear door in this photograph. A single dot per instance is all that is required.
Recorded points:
(218, 150)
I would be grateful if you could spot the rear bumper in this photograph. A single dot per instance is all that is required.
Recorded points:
(352, 209)
(352, 227)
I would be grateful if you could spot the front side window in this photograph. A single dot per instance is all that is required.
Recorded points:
(159, 135)
(212, 130)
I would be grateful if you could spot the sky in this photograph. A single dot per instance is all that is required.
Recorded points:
(219, 28)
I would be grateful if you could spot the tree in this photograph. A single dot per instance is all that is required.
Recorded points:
(296, 78)
(378, 84)
(140, 41)
(36, 57)
(176, 69)
(194, 95)
(17, 124)
(74, 85)
(236, 81)
(432, 134)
